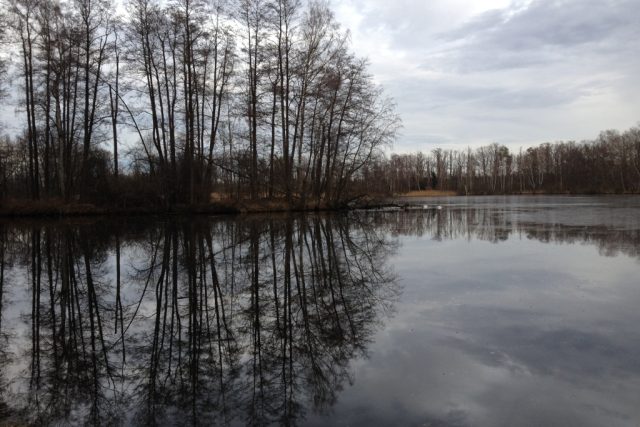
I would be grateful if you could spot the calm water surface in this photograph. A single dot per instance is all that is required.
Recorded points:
(492, 311)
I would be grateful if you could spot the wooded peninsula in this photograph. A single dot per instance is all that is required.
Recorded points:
(256, 105)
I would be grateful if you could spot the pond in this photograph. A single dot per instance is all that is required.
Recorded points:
(483, 311)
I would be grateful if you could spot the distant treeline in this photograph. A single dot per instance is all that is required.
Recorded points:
(608, 164)
(248, 99)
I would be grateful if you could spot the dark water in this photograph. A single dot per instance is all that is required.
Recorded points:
(487, 312)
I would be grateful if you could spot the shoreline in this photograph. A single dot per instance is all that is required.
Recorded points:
(57, 211)
(44, 209)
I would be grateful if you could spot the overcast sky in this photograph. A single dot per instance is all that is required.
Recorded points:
(518, 72)
(472, 72)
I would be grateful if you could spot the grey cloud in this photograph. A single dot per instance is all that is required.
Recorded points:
(560, 23)
(520, 27)
(533, 98)
(427, 95)
(544, 32)
(569, 23)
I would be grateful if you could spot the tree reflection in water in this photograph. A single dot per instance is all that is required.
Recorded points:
(193, 321)
(497, 224)
(212, 321)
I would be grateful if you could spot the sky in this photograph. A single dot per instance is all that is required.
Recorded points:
(466, 73)
(516, 72)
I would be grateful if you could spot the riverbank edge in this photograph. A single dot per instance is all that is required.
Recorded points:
(43, 209)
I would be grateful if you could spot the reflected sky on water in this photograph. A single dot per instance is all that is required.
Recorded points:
(516, 311)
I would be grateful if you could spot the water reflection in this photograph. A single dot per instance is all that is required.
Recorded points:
(300, 320)
(497, 225)
(186, 322)
(508, 317)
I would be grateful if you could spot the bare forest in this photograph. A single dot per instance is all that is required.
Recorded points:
(609, 164)
(188, 102)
